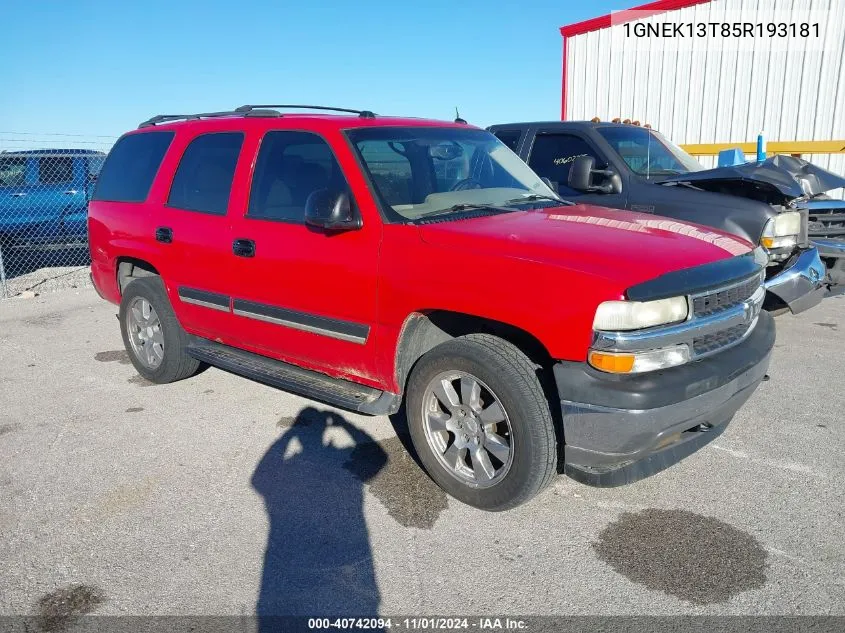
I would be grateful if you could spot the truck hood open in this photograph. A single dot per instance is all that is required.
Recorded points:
(780, 179)
(624, 246)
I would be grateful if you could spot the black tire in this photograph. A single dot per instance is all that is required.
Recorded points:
(175, 364)
(512, 377)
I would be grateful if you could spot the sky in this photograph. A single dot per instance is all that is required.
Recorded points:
(101, 67)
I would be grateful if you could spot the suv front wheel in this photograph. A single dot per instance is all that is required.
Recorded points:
(152, 336)
(480, 422)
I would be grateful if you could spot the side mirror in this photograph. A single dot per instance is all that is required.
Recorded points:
(583, 176)
(581, 173)
(613, 184)
(331, 211)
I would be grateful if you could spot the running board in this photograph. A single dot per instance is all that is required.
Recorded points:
(311, 384)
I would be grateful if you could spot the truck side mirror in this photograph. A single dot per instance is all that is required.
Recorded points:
(331, 211)
(581, 173)
(613, 182)
(584, 177)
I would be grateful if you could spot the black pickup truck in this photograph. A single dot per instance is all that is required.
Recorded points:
(778, 203)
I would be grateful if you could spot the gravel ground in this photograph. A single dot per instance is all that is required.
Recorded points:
(48, 279)
(217, 495)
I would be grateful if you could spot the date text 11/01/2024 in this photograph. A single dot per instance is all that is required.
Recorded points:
(422, 623)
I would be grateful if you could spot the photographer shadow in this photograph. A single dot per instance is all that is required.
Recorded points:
(318, 561)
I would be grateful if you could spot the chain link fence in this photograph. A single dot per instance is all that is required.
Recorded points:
(46, 181)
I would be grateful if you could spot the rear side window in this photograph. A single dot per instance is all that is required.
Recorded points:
(290, 167)
(552, 156)
(131, 167)
(509, 138)
(55, 169)
(203, 180)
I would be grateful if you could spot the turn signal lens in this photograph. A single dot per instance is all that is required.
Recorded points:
(638, 362)
(779, 242)
(613, 363)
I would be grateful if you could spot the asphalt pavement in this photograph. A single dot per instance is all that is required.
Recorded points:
(217, 495)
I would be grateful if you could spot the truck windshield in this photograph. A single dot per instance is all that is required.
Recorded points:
(647, 152)
(421, 171)
(12, 172)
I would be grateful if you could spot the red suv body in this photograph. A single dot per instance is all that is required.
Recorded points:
(362, 260)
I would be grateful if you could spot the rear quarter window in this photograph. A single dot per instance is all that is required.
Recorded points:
(131, 167)
(509, 138)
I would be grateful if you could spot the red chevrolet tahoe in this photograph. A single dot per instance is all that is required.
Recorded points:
(367, 262)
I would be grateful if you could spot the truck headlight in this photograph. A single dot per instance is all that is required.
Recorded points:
(635, 315)
(782, 231)
(637, 362)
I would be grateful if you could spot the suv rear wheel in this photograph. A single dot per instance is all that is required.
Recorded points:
(480, 422)
(152, 336)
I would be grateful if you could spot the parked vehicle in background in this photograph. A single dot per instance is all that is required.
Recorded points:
(630, 167)
(367, 261)
(44, 196)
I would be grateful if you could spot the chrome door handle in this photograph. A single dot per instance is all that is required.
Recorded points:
(18, 195)
(71, 192)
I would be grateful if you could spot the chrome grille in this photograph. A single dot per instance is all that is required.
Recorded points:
(719, 300)
(713, 342)
(826, 218)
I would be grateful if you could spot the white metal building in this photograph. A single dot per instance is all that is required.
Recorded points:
(706, 93)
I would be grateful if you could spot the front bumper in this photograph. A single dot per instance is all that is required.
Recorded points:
(829, 247)
(833, 251)
(619, 429)
(801, 285)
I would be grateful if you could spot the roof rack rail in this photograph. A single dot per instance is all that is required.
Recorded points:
(165, 118)
(250, 111)
(364, 114)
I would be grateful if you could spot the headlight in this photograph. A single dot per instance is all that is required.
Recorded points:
(635, 315)
(782, 231)
(637, 362)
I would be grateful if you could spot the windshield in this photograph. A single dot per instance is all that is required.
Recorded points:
(419, 171)
(647, 152)
(12, 171)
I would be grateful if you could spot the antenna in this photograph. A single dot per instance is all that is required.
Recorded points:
(458, 118)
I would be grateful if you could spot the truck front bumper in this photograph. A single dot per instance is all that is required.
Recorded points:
(833, 252)
(829, 247)
(619, 429)
(801, 285)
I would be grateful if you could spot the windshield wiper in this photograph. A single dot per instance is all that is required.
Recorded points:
(539, 196)
(463, 207)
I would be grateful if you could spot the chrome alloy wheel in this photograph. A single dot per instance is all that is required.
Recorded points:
(467, 429)
(145, 335)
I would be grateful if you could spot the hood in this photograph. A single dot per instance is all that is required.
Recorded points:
(779, 179)
(620, 245)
